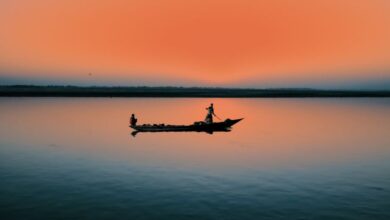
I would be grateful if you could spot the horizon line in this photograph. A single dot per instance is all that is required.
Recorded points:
(196, 87)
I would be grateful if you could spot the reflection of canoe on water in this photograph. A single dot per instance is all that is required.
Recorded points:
(196, 126)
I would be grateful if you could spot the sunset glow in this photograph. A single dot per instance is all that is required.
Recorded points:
(208, 43)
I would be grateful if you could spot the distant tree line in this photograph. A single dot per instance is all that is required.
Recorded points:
(144, 91)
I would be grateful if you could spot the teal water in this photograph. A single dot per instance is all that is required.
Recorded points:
(64, 158)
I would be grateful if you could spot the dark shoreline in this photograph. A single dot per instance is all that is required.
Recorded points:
(99, 91)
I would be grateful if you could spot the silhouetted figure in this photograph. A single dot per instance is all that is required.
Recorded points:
(210, 113)
(133, 120)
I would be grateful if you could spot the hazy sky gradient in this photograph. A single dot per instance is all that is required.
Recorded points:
(283, 43)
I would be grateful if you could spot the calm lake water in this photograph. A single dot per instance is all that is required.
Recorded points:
(74, 158)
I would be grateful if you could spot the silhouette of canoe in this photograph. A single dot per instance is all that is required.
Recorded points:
(197, 126)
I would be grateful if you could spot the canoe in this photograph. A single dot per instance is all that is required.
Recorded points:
(196, 126)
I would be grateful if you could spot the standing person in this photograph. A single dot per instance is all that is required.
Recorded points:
(210, 113)
(133, 120)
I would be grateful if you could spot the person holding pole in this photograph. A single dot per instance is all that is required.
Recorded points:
(210, 114)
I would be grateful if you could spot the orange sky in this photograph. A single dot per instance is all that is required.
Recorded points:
(214, 42)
